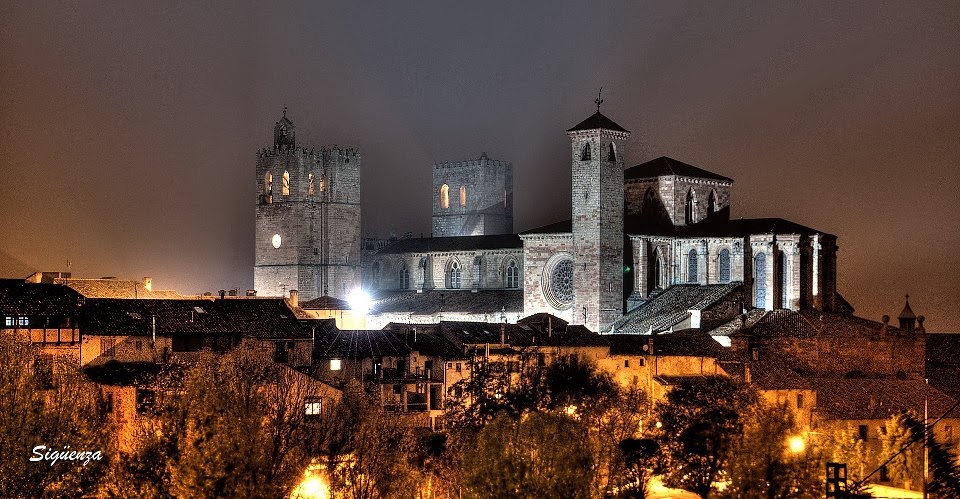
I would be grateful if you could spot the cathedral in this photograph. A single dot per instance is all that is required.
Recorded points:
(649, 247)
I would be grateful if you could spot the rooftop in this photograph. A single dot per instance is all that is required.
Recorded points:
(663, 166)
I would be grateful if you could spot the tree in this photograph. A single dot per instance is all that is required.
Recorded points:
(640, 456)
(700, 420)
(526, 458)
(764, 462)
(844, 445)
(45, 401)
(901, 444)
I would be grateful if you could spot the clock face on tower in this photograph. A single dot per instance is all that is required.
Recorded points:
(276, 240)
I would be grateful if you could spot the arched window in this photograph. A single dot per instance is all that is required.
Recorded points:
(268, 184)
(712, 203)
(784, 281)
(692, 266)
(376, 275)
(310, 184)
(724, 265)
(513, 275)
(423, 271)
(463, 196)
(444, 196)
(760, 280)
(404, 276)
(688, 212)
(659, 278)
(611, 153)
(585, 153)
(285, 190)
(323, 185)
(454, 275)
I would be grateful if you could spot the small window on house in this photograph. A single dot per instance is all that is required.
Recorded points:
(145, 400)
(335, 364)
(108, 403)
(310, 184)
(397, 389)
(611, 153)
(799, 401)
(755, 353)
(285, 189)
(463, 196)
(585, 152)
(884, 474)
(444, 196)
(23, 321)
(626, 362)
(459, 367)
(449, 365)
(312, 406)
(640, 362)
(8, 321)
(863, 432)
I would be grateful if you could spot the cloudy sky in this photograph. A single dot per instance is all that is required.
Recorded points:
(128, 130)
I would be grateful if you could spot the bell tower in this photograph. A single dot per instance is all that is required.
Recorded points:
(307, 218)
(598, 146)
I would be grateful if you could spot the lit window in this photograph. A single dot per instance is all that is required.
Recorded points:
(8, 321)
(310, 184)
(463, 196)
(311, 407)
(692, 266)
(335, 364)
(513, 275)
(724, 265)
(23, 321)
(285, 189)
(585, 152)
(268, 184)
(444, 196)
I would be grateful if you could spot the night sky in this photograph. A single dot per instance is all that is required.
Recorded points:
(128, 130)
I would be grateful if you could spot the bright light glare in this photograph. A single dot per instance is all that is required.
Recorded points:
(797, 444)
(313, 486)
(359, 301)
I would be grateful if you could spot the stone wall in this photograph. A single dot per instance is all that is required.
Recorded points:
(486, 206)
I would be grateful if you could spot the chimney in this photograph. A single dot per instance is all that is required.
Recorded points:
(294, 298)
(251, 292)
(502, 335)
(148, 283)
(920, 328)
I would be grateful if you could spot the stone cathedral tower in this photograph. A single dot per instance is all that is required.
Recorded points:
(307, 218)
(598, 149)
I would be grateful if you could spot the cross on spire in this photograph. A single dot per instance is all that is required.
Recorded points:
(599, 101)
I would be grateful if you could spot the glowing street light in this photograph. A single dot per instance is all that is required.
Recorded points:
(796, 444)
(313, 486)
(359, 301)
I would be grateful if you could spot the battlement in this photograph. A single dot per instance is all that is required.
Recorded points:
(330, 152)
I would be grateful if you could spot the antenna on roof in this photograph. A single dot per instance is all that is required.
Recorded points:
(599, 100)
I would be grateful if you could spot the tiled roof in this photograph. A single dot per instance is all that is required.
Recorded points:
(360, 344)
(20, 298)
(125, 373)
(518, 335)
(878, 398)
(453, 243)
(260, 318)
(741, 227)
(325, 303)
(115, 288)
(564, 227)
(804, 324)
(671, 307)
(669, 166)
(774, 375)
(432, 302)
(597, 121)
(943, 362)
(682, 343)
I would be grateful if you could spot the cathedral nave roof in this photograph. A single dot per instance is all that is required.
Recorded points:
(664, 166)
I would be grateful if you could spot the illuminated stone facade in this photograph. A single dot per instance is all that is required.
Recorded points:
(307, 218)
(473, 198)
